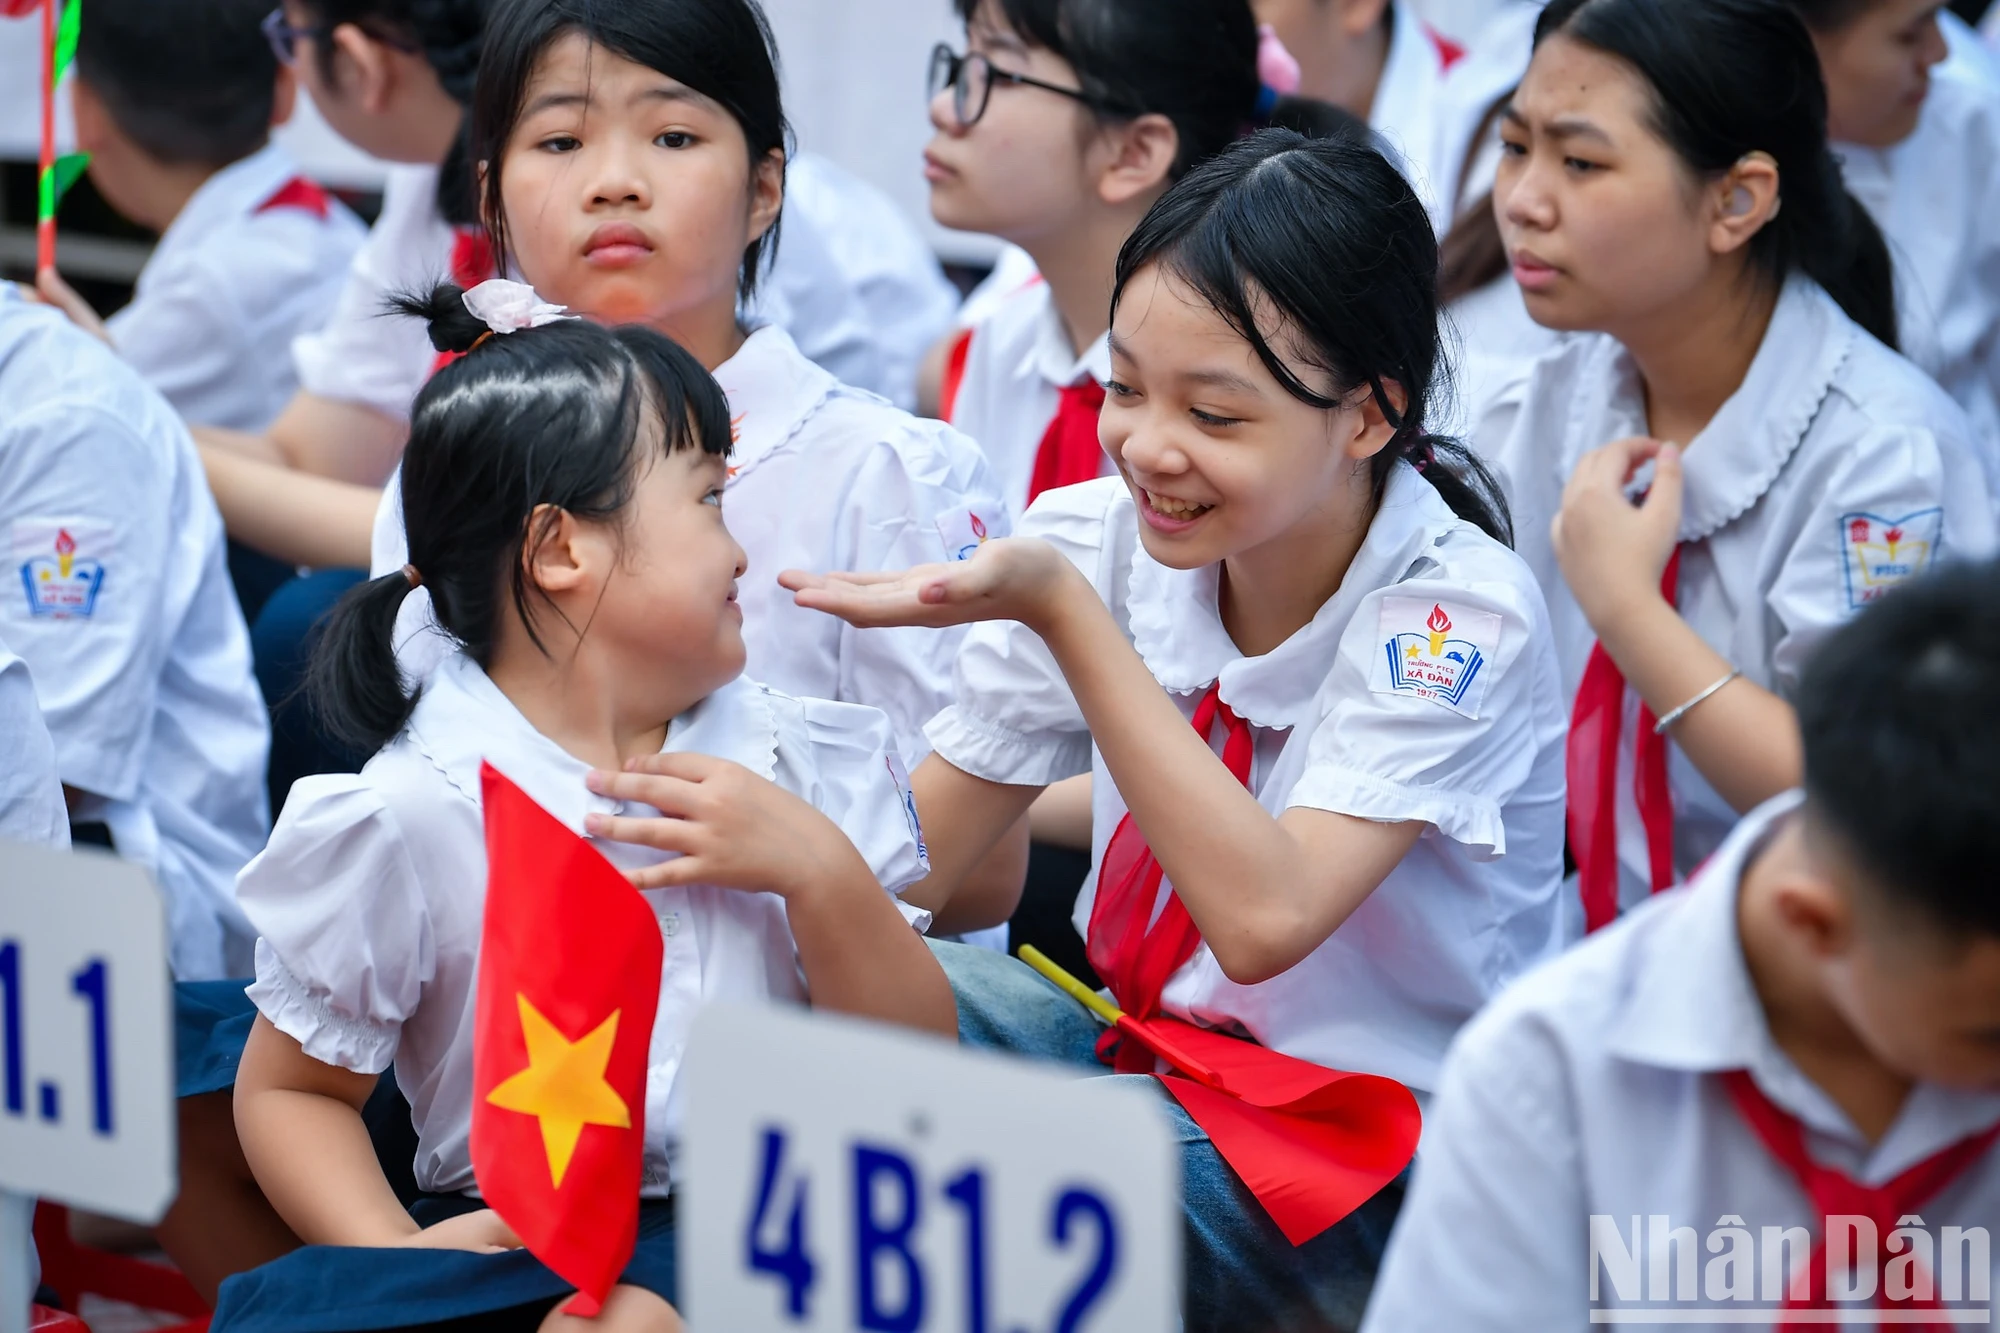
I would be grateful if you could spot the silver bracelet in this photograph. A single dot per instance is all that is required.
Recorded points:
(1660, 727)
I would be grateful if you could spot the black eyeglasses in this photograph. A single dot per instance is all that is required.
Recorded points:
(971, 78)
(284, 37)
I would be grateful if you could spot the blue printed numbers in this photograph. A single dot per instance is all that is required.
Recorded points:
(789, 1264)
(89, 983)
(888, 1215)
(886, 1206)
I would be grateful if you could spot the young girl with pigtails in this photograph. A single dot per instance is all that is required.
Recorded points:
(1361, 833)
(563, 492)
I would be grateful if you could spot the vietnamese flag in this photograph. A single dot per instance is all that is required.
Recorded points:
(1311, 1143)
(569, 981)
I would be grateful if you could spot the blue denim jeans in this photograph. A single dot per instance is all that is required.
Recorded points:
(1241, 1274)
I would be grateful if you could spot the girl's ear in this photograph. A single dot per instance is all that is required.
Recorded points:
(1372, 428)
(767, 193)
(284, 96)
(557, 552)
(1742, 202)
(363, 64)
(1142, 156)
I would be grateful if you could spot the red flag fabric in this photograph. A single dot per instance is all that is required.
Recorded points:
(569, 981)
(1597, 720)
(1312, 1143)
(1069, 452)
(1836, 1194)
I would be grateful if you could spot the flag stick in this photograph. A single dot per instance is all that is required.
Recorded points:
(45, 222)
(1156, 1042)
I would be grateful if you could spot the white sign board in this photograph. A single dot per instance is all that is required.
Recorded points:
(842, 1175)
(86, 1033)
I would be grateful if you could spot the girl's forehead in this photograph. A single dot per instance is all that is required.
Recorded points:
(573, 68)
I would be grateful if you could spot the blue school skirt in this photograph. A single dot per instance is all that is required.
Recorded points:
(335, 1289)
(211, 1024)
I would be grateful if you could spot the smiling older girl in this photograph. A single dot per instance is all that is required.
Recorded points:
(1364, 826)
(1737, 367)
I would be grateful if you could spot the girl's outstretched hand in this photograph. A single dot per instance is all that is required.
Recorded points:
(730, 827)
(1012, 578)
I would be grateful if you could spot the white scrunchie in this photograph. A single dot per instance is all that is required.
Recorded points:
(508, 307)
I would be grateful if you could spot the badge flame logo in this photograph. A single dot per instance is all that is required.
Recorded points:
(1439, 624)
(978, 528)
(65, 551)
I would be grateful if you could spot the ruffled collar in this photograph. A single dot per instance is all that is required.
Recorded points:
(1177, 625)
(1739, 454)
(463, 720)
(773, 391)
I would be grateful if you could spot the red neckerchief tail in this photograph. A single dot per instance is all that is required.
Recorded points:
(1069, 451)
(1313, 1144)
(1836, 1194)
(1596, 724)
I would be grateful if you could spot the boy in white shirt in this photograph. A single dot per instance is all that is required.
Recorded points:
(1777, 1087)
(175, 103)
(117, 597)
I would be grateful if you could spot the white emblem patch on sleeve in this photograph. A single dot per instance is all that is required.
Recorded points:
(61, 565)
(963, 532)
(1878, 553)
(1436, 650)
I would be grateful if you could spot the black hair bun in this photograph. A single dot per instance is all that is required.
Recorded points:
(453, 328)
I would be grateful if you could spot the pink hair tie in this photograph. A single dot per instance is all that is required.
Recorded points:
(1277, 68)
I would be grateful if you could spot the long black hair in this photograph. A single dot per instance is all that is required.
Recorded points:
(721, 49)
(448, 34)
(1327, 236)
(557, 416)
(1733, 77)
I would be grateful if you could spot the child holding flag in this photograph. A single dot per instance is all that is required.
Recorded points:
(1360, 837)
(563, 492)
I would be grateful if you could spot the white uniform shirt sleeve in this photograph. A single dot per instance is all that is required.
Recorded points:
(864, 789)
(1384, 751)
(1492, 1234)
(184, 334)
(345, 947)
(80, 468)
(1013, 718)
(1896, 477)
(364, 354)
(31, 798)
(897, 499)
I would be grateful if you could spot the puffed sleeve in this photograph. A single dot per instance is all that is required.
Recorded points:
(920, 482)
(1013, 718)
(1440, 696)
(1892, 504)
(345, 946)
(860, 784)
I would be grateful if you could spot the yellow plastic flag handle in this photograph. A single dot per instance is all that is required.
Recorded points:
(1081, 993)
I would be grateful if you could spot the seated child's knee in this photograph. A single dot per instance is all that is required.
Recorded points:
(626, 1310)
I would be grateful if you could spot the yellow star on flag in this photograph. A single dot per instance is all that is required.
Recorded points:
(563, 1085)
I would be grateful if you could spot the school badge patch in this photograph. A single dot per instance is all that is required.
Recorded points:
(61, 566)
(963, 532)
(1436, 650)
(1878, 553)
